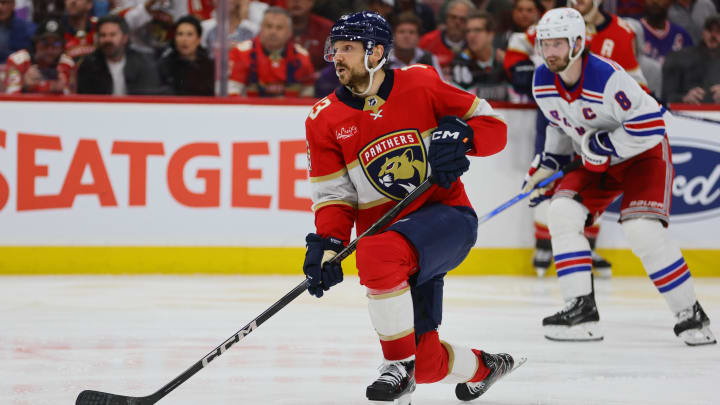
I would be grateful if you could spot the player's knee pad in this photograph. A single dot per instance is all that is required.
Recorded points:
(427, 305)
(646, 236)
(566, 217)
(385, 260)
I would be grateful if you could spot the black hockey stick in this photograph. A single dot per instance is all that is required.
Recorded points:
(694, 117)
(89, 397)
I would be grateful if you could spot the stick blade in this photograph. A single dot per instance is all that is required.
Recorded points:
(89, 397)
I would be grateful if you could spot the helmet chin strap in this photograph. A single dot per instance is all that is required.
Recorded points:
(372, 72)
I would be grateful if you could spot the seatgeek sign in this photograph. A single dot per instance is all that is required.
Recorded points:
(164, 174)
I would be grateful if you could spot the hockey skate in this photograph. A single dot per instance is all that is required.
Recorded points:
(395, 384)
(578, 321)
(542, 259)
(500, 365)
(693, 326)
(603, 268)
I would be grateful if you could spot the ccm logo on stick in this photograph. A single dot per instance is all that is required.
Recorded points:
(228, 343)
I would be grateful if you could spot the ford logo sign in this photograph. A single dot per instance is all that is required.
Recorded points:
(696, 187)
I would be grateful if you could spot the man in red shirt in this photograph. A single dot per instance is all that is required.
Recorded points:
(48, 70)
(310, 30)
(370, 143)
(271, 64)
(448, 42)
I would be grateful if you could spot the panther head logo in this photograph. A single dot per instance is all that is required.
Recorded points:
(398, 168)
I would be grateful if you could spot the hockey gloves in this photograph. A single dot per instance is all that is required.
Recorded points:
(596, 151)
(320, 273)
(543, 166)
(448, 145)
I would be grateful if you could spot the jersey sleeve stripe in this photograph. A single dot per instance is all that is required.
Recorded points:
(471, 110)
(330, 176)
(333, 202)
(373, 204)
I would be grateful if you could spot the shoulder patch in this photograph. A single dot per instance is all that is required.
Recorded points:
(299, 49)
(244, 46)
(598, 72)
(20, 57)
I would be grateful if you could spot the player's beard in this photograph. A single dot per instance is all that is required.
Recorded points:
(355, 79)
(557, 64)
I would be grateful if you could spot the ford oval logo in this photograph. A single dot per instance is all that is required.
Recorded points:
(696, 187)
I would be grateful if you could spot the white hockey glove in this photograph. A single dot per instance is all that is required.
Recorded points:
(542, 167)
(596, 151)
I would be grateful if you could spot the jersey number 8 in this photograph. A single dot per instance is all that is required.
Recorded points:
(623, 100)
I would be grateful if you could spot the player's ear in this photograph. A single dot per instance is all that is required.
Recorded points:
(377, 53)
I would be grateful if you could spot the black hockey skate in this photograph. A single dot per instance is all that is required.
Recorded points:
(542, 259)
(693, 326)
(602, 267)
(500, 365)
(396, 382)
(577, 321)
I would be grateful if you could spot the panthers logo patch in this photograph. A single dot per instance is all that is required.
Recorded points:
(395, 163)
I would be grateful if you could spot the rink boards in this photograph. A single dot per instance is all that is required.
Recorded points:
(167, 187)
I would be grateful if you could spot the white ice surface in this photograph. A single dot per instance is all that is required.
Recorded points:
(131, 335)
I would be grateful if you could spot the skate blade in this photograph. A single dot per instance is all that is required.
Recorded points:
(584, 332)
(698, 337)
(403, 400)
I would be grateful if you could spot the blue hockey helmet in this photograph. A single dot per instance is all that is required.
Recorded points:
(366, 26)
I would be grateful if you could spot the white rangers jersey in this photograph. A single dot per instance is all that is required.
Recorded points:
(605, 98)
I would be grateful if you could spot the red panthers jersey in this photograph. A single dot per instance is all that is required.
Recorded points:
(260, 74)
(18, 64)
(367, 153)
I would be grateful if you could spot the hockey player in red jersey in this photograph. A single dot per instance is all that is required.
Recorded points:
(597, 111)
(370, 142)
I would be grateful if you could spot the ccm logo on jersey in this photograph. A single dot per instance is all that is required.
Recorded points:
(445, 134)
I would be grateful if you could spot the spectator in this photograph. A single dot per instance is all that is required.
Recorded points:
(15, 33)
(310, 30)
(244, 18)
(422, 10)
(150, 23)
(499, 9)
(692, 75)
(660, 35)
(327, 82)
(114, 68)
(405, 50)
(333, 9)
(446, 43)
(48, 70)
(271, 64)
(691, 14)
(80, 28)
(185, 68)
(478, 69)
(524, 14)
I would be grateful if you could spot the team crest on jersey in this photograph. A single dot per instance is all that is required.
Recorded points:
(395, 163)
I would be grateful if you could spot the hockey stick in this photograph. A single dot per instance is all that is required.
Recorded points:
(560, 173)
(89, 397)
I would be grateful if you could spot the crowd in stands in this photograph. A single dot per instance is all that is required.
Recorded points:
(275, 48)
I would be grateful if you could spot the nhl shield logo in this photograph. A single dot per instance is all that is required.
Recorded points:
(396, 163)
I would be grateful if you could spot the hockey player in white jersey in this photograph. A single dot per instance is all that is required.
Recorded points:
(598, 112)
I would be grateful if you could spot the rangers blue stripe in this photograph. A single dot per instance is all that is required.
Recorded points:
(668, 269)
(583, 253)
(675, 283)
(644, 117)
(656, 131)
(575, 269)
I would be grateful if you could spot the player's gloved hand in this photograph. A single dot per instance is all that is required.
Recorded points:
(320, 273)
(596, 151)
(543, 166)
(448, 145)
(522, 76)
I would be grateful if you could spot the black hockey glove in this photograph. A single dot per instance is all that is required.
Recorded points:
(521, 77)
(321, 275)
(448, 145)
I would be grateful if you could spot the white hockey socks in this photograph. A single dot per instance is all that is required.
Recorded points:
(463, 363)
(571, 249)
(662, 260)
(391, 314)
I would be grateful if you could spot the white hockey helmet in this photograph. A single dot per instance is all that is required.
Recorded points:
(563, 22)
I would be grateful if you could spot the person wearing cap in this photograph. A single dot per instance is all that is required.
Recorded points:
(15, 33)
(47, 69)
(692, 75)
